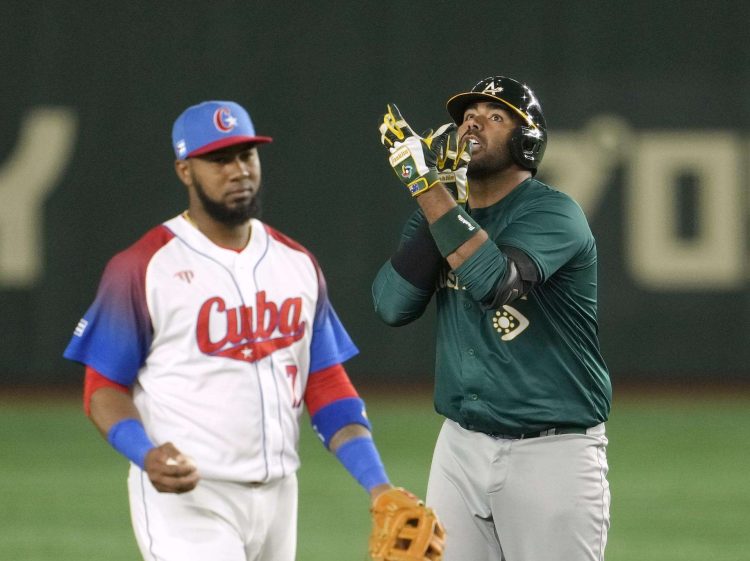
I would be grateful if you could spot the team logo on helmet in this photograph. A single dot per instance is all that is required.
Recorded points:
(224, 121)
(493, 88)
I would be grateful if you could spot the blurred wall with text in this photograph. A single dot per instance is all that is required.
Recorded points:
(649, 129)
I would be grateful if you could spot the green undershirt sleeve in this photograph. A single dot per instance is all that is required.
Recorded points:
(396, 300)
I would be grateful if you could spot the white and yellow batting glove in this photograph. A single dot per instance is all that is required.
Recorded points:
(413, 160)
(453, 158)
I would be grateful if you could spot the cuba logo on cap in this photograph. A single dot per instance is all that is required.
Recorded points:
(181, 148)
(224, 121)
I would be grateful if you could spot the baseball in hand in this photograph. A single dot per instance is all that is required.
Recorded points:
(180, 460)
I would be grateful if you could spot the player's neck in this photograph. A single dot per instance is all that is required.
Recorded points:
(486, 191)
(230, 237)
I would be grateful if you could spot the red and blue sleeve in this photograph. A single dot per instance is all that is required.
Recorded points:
(333, 402)
(331, 343)
(114, 335)
(330, 396)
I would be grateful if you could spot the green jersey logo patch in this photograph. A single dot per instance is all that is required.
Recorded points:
(509, 322)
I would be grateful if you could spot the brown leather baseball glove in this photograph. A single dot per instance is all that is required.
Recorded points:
(404, 529)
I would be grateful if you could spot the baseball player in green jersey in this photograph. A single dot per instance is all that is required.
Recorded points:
(519, 469)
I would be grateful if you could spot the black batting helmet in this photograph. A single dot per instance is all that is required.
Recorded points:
(529, 140)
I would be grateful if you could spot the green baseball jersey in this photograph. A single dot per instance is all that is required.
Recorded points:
(534, 363)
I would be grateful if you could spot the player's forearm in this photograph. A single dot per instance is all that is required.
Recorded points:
(378, 479)
(347, 433)
(436, 203)
(354, 447)
(108, 407)
(338, 417)
(115, 415)
(117, 418)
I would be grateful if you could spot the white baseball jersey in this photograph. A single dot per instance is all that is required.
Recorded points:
(217, 344)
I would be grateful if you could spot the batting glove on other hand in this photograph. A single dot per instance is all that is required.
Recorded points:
(412, 159)
(453, 159)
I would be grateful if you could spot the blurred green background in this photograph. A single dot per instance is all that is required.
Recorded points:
(678, 473)
(646, 105)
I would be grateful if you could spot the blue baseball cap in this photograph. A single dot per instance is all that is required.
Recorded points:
(212, 125)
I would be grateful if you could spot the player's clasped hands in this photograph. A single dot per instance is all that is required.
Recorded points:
(170, 471)
(421, 162)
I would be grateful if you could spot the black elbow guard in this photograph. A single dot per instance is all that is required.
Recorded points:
(521, 276)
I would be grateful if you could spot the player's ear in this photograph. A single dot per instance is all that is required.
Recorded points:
(182, 168)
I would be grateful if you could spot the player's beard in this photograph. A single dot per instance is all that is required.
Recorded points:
(229, 216)
(490, 165)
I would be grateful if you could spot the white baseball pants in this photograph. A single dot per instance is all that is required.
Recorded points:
(218, 520)
(537, 499)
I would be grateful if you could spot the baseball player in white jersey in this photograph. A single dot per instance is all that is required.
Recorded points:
(206, 339)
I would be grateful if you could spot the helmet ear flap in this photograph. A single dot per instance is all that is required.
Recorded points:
(527, 146)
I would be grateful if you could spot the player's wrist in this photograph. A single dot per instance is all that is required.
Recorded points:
(452, 230)
(378, 490)
(362, 460)
(423, 184)
(129, 438)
